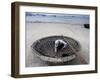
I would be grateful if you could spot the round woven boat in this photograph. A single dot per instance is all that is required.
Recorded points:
(44, 49)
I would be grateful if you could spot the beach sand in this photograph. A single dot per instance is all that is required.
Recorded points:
(35, 31)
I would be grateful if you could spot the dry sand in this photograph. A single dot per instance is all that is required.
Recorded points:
(35, 31)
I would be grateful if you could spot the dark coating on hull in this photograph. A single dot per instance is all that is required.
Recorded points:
(45, 47)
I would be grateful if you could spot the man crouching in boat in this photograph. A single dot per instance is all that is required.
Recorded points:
(59, 44)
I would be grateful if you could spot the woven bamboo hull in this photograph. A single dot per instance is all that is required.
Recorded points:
(44, 49)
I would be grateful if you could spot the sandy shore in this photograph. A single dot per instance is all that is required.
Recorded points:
(35, 31)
